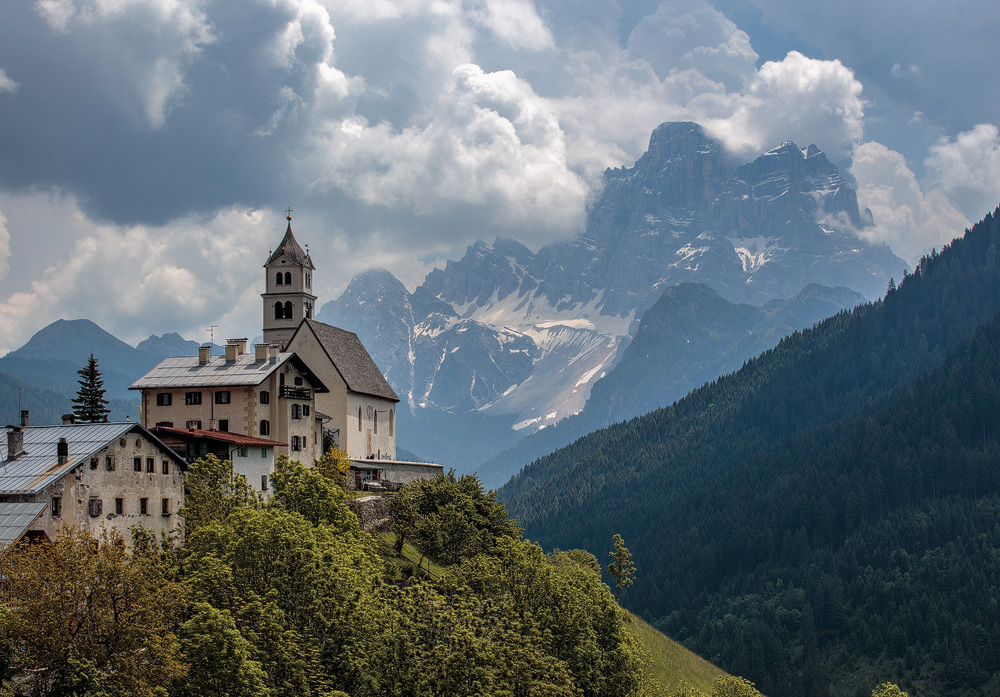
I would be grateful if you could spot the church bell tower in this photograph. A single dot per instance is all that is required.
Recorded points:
(288, 297)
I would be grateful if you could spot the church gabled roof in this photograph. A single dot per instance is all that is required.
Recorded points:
(291, 250)
(351, 359)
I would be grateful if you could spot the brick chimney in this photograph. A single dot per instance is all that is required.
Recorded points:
(241, 345)
(15, 442)
(24, 418)
(204, 354)
(232, 351)
(273, 352)
(260, 352)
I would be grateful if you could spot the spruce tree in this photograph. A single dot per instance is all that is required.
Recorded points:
(90, 406)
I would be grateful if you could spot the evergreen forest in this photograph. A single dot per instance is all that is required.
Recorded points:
(827, 515)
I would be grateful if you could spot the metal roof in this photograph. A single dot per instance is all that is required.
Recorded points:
(186, 371)
(351, 359)
(16, 518)
(38, 466)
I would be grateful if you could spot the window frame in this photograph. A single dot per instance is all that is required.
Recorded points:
(192, 399)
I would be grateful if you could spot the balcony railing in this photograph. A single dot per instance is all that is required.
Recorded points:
(296, 393)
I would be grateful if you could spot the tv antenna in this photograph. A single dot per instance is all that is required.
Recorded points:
(211, 331)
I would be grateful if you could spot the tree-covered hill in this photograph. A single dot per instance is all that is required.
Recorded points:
(746, 503)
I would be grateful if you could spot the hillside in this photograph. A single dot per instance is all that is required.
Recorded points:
(746, 502)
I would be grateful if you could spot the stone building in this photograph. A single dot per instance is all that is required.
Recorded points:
(94, 476)
(269, 394)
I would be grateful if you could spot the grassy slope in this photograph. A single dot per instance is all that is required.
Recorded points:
(671, 664)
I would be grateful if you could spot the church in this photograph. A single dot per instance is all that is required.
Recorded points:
(305, 387)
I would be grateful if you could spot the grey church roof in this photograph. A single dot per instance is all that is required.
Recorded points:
(15, 519)
(245, 371)
(351, 360)
(291, 250)
(38, 466)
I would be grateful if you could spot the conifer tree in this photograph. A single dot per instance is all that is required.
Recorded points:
(90, 406)
(621, 566)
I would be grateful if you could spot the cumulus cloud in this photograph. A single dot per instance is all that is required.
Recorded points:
(492, 143)
(967, 169)
(908, 219)
(798, 98)
(515, 22)
(691, 34)
(4, 246)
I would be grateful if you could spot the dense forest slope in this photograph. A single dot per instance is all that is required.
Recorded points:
(806, 515)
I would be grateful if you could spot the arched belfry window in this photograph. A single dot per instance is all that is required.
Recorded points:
(279, 311)
(288, 309)
(279, 279)
(288, 278)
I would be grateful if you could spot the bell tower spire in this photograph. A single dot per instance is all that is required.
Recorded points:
(287, 295)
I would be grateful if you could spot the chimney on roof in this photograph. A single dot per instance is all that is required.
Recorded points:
(204, 354)
(273, 352)
(62, 451)
(69, 419)
(24, 418)
(260, 352)
(241, 345)
(15, 442)
(232, 350)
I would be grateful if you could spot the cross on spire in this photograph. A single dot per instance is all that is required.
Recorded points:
(288, 211)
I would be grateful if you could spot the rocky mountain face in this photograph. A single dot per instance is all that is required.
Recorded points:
(516, 340)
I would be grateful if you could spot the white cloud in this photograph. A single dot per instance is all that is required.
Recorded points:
(967, 168)
(798, 98)
(6, 84)
(515, 22)
(909, 220)
(490, 142)
(691, 34)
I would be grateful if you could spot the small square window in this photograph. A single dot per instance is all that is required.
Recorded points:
(194, 423)
(166, 467)
(163, 399)
(265, 397)
(56, 506)
(263, 452)
(93, 463)
(143, 506)
(119, 506)
(224, 425)
(137, 464)
(222, 397)
(95, 507)
(191, 398)
(150, 464)
(243, 452)
(164, 507)
(298, 380)
(263, 482)
(109, 464)
(165, 424)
